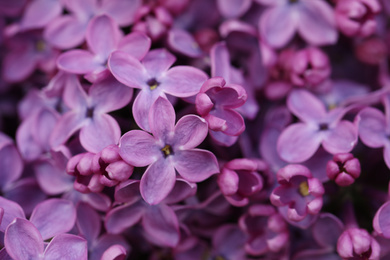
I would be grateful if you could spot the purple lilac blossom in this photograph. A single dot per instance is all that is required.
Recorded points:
(171, 148)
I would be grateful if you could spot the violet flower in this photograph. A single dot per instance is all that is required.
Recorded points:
(357, 17)
(240, 179)
(153, 76)
(381, 219)
(68, 31)
(299, 141)
(103, 37)
(298, 192)
(357, 243)
(88, 112)
(313, 20)
(170, 148)
(216, 102)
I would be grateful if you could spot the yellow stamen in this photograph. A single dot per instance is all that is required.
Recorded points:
(153, 86)
(304, 189)
(166, 150)
(40, 45)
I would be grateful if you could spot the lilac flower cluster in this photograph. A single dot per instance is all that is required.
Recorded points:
(195, 129)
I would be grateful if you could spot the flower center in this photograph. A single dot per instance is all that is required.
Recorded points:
(167, 150)
(323, 126)
(89, 112)
(304, 188)
(153, 83)
(293, 1)
(40, 45)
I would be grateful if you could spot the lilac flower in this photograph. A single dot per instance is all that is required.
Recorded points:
(313, 20)
(23, 241)
(299, 141)
(39, 13)
(93, 62)
(216, 102)
(357, 17)
(184, 43)
(233, 8)
(298, 192)
(343, 169)
(27, 51)
(170, 148)
(239, 179)
(159, 221)
(155, 79)
(357, 243)
(68, 30)
(89, 113)
(266, 228)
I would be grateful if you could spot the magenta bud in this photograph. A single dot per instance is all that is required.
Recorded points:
(119, 170)
(343, 169)
(357, 243)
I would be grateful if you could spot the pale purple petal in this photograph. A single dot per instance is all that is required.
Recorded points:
(88, 222)
(65, 32)
(183, 81)
(122, 11)
(233, 8)
(12, 210)
(102, 36)
(157, 62)
(142, 104)
(306, 106)
(67, 247)
(195, 165)
(220, 61)
(78, 62)
(372, 127)
(341, 139)
(116, 252)
(162, 119)
(109, 95)
(184, 43)
(107, 241)
(100, 132)
(53, 217)
(161, 225)
(51, 179)
(181, 191)
(68, 124)
(127, 69)
(11, 164)
(234, 121)
(327, 229)
(75, 96)
(298, 142)
(136, 44)
(22, 240)
(190, 131)
(83, 9)
(123, 217)
(157, 181)
(381, 221)
(316, 23)
(223, 139)
(278, 25)
(139, 148)
(127, 192)
(39, 13)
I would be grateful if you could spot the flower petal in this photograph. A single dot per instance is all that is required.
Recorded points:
(278, 25)
(183, 81)
(298, 142)
(136, 44)
(372, 127)
(120, 218)
(100, 132)
(67, 247)
(88, 222)
(138, 148)
(78, 62)
(102, 36)
(316, 23)
(341, 139)
(233, 8)
(190, 131)
(127, 69)
(53, 217)
(67, 125)
(12, 210)
(306, 106)
(116, 252)
(162, 119)
(157, 62)
(195, 165)
(158, 181)
(22, 240)
(184, 43)
(381, 222)
(161, 225)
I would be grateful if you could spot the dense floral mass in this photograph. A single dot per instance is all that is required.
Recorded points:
(195, 129)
